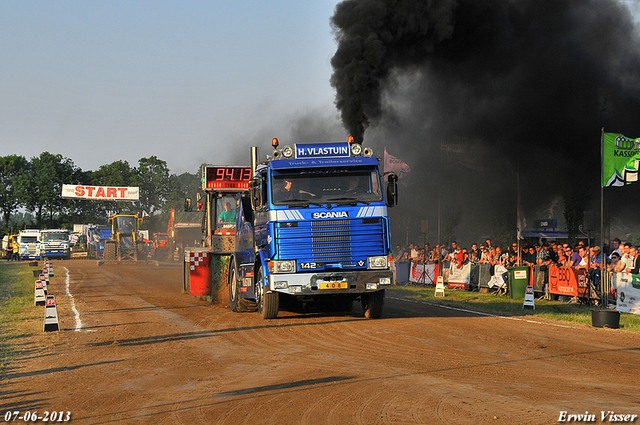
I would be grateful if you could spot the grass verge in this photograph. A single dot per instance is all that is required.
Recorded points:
(504, 305)
(17, 313)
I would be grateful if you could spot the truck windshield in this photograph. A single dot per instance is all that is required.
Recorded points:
(126, 224)
(28, 239)
(55, 237)
(226, 213)
(326, 185)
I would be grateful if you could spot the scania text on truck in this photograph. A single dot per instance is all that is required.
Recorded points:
(29, 244)
(314, 228)
(55, 243)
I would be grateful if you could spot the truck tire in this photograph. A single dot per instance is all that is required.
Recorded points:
(236, 302)
(268, 302)
(372, 304)
(109, 252)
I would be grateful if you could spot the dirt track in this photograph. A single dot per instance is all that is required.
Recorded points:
(147, 353)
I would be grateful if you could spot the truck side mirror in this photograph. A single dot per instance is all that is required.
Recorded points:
(392, 190)
(255, 192)
(187, 204)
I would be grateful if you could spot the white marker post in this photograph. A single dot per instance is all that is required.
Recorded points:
(51, 315)
(529, 301)
(440, 287)
(40, 298)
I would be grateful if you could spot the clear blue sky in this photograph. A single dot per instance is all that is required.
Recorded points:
(188, 81)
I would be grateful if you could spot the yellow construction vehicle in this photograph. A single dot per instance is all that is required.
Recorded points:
(125, 243)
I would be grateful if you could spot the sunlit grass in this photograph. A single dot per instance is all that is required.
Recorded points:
(16, 308)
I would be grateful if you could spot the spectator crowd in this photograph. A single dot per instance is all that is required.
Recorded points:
(621, 257)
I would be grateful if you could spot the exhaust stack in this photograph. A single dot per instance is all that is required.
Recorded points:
(254, 159)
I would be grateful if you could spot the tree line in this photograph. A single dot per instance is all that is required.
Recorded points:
(35, 186)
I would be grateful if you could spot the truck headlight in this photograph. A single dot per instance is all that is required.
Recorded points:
(283, 266)
(380, 262)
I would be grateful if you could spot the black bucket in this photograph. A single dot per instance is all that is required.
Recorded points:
(33, 263)
(605, 319)
(37, 273)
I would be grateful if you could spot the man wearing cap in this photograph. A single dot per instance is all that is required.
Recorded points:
(595, 260)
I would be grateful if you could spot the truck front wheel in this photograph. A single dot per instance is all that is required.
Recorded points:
(372, 304)
(268, 302)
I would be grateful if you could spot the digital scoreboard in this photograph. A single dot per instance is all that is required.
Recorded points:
(225, 178)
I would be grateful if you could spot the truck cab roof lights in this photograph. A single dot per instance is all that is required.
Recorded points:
(320, 150)
(356, 149)
(287, 152)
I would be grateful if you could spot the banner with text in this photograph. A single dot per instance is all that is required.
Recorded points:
(621, 156)
(423, 273)
(100, 193)
(459, 274)
(628, 286)
(568, 281)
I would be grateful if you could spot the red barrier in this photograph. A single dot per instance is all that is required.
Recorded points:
(200, 274)
(568, 281)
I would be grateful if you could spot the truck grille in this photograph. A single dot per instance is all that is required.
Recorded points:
(342, 241)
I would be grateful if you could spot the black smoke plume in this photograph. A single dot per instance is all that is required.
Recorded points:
(466, 89)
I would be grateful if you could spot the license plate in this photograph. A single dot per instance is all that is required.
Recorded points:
(334, 285)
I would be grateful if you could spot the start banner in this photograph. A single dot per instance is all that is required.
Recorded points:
(100, 193)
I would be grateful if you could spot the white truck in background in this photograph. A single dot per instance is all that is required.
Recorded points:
(55, 243)
(29, 244)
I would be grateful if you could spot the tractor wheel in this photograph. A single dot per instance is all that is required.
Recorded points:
(372, 304)
(109, 253)
(236, 302)
(268, 302)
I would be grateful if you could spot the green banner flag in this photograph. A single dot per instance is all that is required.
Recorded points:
(621, 160)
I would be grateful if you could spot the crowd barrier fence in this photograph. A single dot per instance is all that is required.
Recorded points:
(545, 279)
(554, 282)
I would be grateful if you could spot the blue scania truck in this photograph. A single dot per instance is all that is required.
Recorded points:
(313, 227)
